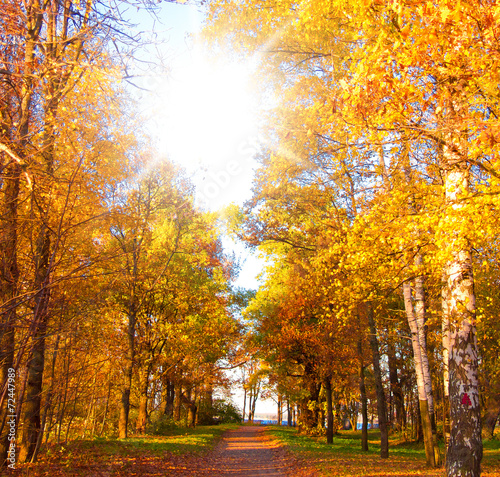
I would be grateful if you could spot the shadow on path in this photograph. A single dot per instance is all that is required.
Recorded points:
(247, 452)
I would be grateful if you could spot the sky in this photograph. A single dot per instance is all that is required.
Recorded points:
(202, 112)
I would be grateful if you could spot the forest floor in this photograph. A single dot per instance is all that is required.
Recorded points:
(246, 451)
(239, 451)
(345, 458)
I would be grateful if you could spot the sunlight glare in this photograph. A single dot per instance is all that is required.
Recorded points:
(208, 111)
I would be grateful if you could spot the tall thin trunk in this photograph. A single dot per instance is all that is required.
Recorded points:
(415, 312)
(254, 400)
(178, 402)
(9, 285)
(48, 402)
(280, 409)
(381, 403)
(127, 385)
(106, 409)
(422, 335)
(426, 369)
(397, 392)
(364, 399)
(250, 395)
(64, 397)
(418, 355)
(244, 402)
(329, 410)
(130, 358)
(445, 328)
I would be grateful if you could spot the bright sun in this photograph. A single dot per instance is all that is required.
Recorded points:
(208, 111)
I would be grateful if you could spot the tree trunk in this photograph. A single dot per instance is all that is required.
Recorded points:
(142, 416)
(129, 368)
(9, 272)
(419, 356)
(35, 365)
(191, 408)
(192, 415)
(419, 433)
(381, 403)
(178, 402)
(445, 329)
(309, 415)
(364, 399)
(11, 177)
(106, 409)
(426, 370)
(280, 410)
(48, 402)
(36, 362)
(397, 392)
(329, 411)
(45, 247)
(465, 449)
(254, 401)
(9, 285)
(168, 398)
(422, 336)
(491, 416)
(250, 394)
(244, 402)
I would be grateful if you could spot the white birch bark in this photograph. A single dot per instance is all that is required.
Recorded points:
(418, 353)
(422, 335)
(412, 322)
(465, 445)
(445, 330)
(465, 448)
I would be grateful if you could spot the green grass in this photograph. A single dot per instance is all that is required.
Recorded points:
(146, 454)
(179, 441)
(345, 457)
(138, 455)
(158, 455)
(346, 442)
(491, 452)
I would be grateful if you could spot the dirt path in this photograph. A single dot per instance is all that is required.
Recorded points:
(247, 452)
(244, 452)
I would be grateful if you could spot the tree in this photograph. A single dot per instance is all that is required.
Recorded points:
(413, 76)
(50, 50)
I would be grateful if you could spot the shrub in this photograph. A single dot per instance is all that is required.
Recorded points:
(162, 426)
(220, 412)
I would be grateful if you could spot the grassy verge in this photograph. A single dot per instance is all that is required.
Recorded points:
(178, 441)
(137, 455)
(344, 457)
